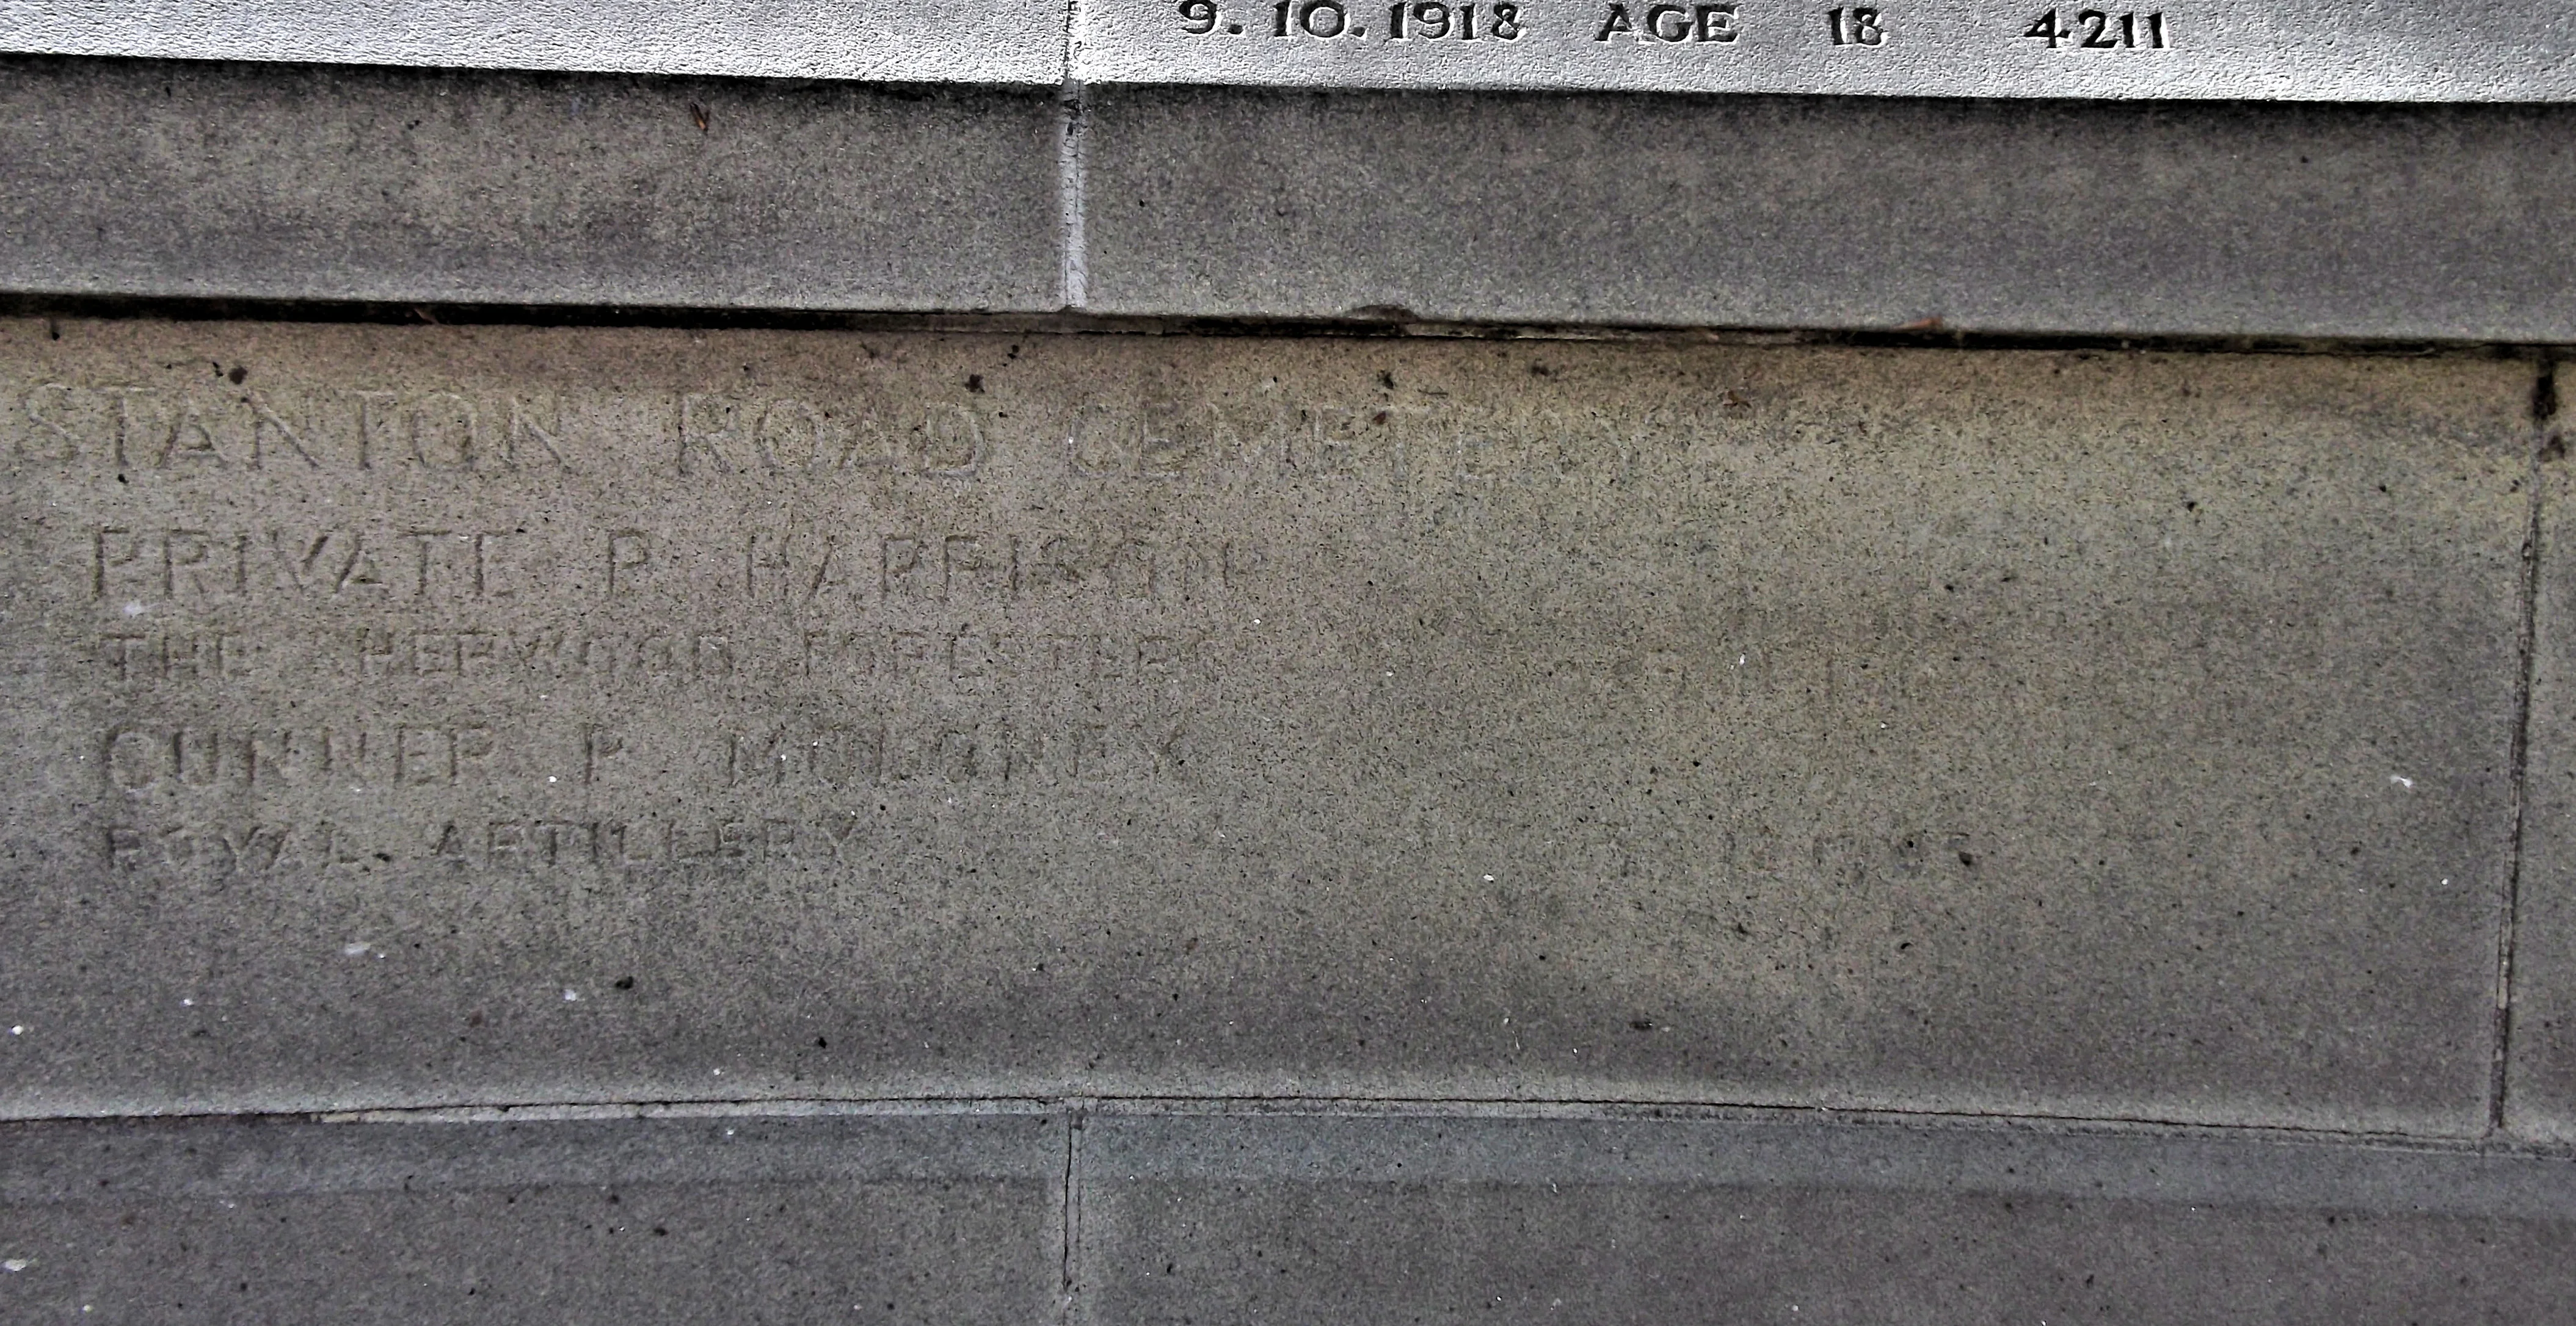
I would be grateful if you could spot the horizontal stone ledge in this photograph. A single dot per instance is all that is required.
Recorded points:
(1181, 1144)
(2381, 222)
(176, 179)
(1136, 1213)
(905, 1219)
(411, 716)
(2338, 50)
(214, 1156)
(1452, 1220)
(169, 180)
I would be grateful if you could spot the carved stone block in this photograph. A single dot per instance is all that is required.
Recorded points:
(407, 716)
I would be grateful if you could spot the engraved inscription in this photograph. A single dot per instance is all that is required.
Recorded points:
(806, 567)
(725, 435)
(970, 657)
(548, 655)
(1408, 21)
(2320, 50)
(1858, 26)
(939, 750)
(208, 563)
(2099, 30)
(524, 844)
(144, 758)
(2334, 50)
(145, 659)
(1698, 24)
(939, 691)
(153, 428)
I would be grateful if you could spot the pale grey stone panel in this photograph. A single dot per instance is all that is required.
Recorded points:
(2327, 50)
(1440, 1220)
(1004, 41)
(299, 183)
(921, 1219)
(467, 715)
(1851, 213)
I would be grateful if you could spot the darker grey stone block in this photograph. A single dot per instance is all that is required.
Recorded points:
(281, 182)
(1838, 213)
(1439, 1220)
(884, 1219)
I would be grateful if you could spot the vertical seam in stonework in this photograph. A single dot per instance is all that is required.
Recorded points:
(1068, 1255)
(1074, 275)
(2544, 410)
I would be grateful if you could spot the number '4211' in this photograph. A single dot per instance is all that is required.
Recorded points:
(2096, 30)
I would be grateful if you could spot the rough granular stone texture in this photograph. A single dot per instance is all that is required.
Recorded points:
(468, 715)
(923, 1219)
(1453, 1220)
(2541, 1083)
(170, 179)
(1856, 212)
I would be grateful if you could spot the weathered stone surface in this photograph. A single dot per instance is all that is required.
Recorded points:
(953, 1219)
(1420, 1220)
(175, 179)
(2541, 1077)
(1010, 41)
(451, 715)
(1835, 212)
(2325, 50)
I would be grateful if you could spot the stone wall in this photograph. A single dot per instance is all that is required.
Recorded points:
(648, 699)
